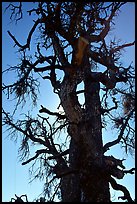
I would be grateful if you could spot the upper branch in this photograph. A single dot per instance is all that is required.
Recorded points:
(16, 11)
(8, 121)
(59, 27)
(27, 45)
(58, 49)
(113, 50)
(106, 23)
(107, 80)
(98, 58)
(105, 30)
(76, 17)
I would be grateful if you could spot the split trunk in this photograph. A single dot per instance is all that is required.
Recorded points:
(88, 182)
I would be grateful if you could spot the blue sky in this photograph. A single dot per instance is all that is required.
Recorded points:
(15, 177)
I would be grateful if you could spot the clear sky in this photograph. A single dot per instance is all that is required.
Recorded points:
(15, 177)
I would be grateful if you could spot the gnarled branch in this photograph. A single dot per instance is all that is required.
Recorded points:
(119, 187)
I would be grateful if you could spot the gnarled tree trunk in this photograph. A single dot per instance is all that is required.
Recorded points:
(88, 182)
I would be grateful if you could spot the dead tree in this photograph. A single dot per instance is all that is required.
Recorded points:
(76, 35)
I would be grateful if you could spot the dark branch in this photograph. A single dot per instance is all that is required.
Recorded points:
(59, 155)
(18, 128)
(31, 159)
(58, 49)
(38, 152)
(9, 122)
(80, 91)
(59, 27)
(102, 60)
(130, 171)
(113, 50)
(105, 30)
(42, 69)
(16, 11)
(106, 23)
(27, 45)
(109, 82)
(112, 108)
(76, 17)
(119, 187)
(45, 110)
(110, 144)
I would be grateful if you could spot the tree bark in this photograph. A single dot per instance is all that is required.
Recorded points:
(89, 183)
(70, 188)
(94, 182)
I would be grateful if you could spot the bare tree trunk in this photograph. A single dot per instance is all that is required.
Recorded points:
(88, 183)
(93, 181)
(70, 190)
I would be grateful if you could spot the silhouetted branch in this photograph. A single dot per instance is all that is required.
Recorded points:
(45, 110)
(113, 50)
(59, 155)
(19, 198)
(61, 173)
(42, 69)
(38, 152)
(112, 108)
(16, 11)
(119, 187)
(27, 45)
(109, 82)
(59, 50)
(8, 121)
(59, 27)
(110, 144)
(79, 6)
(80, 91)
(105, 30)
(98, 58)
(130, 171)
